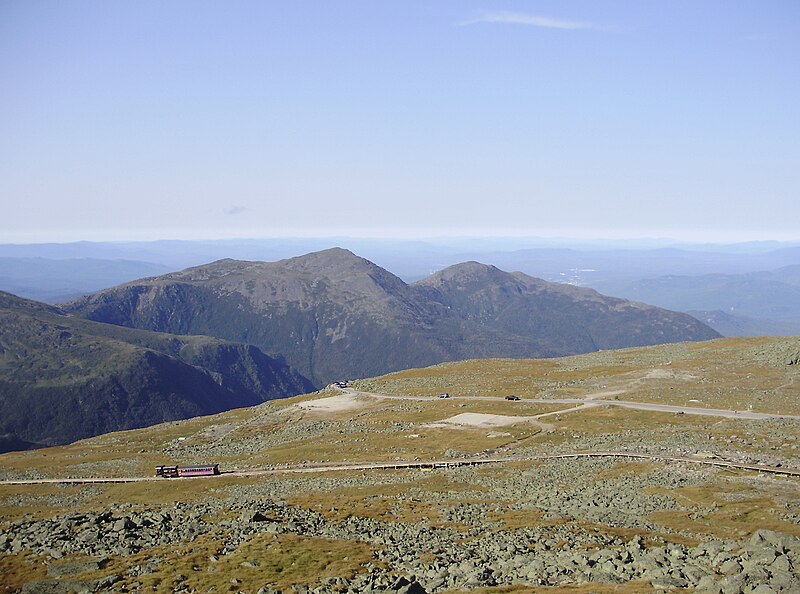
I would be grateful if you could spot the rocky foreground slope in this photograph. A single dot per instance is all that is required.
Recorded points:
(408, 557)
(333, 315)
(534, 523)
(64, 378)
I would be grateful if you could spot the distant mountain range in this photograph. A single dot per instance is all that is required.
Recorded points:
(54, 281)
(333, 315)
(745, 281)
(63, 378)
(730, 325)
(755, 303)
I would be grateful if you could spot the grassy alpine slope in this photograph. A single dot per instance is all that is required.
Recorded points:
(605, 524)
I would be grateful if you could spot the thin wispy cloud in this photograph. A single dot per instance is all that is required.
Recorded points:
(235, 209)
(531, 20)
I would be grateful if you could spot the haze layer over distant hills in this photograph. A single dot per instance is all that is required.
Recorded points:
(738, 289)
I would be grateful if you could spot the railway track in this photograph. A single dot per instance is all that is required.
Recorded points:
(430, 464)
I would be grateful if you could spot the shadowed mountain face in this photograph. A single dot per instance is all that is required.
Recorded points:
(64, 378)
(333, 315)
(556, 319)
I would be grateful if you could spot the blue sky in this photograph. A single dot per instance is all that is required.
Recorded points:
(200, 119)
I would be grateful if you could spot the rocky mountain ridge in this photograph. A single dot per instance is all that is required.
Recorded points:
(332, 314)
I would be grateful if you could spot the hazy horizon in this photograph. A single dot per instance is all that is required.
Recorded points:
(520, 238)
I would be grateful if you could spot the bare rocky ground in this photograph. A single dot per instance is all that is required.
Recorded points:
(559, 525)
(591, 530)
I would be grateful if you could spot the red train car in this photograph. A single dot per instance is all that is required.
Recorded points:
(178, 471)
(200, 470)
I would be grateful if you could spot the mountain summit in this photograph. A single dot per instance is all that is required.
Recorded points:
(557, 318)
(332, 314)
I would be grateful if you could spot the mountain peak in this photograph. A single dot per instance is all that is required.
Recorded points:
(471, 267)
(205, 272)
(334, 257)
(346, 268)
(467, 272)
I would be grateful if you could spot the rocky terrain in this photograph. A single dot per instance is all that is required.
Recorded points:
(290, 514)
(470, 546)
(408, 557)
(333, 315)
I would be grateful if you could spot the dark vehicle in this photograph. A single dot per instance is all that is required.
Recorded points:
(444, 395)
(179, 471)
(167, 471)
(512, 397)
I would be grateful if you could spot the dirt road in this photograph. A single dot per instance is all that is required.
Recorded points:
(594, 400)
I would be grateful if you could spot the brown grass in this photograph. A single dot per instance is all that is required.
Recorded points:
(728, 376)
(516, 519)
(281, 560)
(165, 491)
(608, 419)
(431, 443)
(16, 569)
(389, 502)
(736, 511)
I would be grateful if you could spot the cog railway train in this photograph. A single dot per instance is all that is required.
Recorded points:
(180, 471)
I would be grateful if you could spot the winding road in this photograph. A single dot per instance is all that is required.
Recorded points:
(594, 400)
(589, 401)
